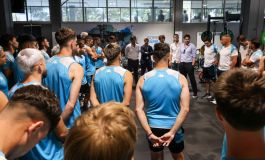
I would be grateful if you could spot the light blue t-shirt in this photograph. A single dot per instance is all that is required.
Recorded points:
(3, 84)
(2, 156)
(99, 62)
(20, 85)
(90, 68)
(224, 148)
(109, 83)
(255, 58)
(82, 61)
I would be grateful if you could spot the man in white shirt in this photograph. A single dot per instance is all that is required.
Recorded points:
(243, 47)
(227, 55)
(210, 60)
(175, 53)
(252, 61)
(132, 51)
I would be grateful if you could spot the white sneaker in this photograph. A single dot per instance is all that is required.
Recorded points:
(194, 97)
(213, 101)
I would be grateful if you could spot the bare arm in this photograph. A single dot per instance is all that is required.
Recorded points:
(262, 65)
(76, 74)
(128, 81)
(3, 100)
(61, 130)
(91, 52)
(139, 109)
(93, 96)
(234, 61)
(184, 109)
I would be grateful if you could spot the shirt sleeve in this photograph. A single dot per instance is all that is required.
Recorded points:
(234, 53)
(193, 50)
(255, 57)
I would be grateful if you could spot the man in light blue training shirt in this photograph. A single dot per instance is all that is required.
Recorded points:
(241, 110)
(100, 54)
(164, 94)
(32, 63)
(32, 112)
(111, 82)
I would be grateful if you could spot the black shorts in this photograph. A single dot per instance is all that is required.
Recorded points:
(209, 73)
(174, 147)
(220, 72)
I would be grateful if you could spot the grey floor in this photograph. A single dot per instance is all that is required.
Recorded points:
(203, 133)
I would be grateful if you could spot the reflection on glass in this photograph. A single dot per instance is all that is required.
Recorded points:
(119, 15)
(95, 3)
(72, 14)
(38, 14)
(141, 15)
(118, 3)
(95, 15)
(37, 10)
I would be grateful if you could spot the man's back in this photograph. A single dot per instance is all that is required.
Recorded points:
(109, 83)
(161, 91)
(59, 81)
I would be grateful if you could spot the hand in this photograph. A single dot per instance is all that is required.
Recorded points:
(167, 138)
(156, 141)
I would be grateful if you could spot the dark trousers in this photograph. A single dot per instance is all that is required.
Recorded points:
(188, 69)
(133, 66)
(146, 64)
(175, 66)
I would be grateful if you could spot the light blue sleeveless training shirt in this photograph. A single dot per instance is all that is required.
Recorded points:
(59, 82)
(161, 91)
(109, 83)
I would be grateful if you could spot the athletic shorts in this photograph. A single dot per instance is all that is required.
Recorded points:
(175, 146)
(209, 73)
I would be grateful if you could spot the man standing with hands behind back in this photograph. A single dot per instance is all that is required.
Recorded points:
(187, 62)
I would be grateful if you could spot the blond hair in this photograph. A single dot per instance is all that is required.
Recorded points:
(105, 132)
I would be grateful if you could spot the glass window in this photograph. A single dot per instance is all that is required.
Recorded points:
(141, 11)
(95, 15)
(118, 3)
(72, 10)
(163, 10)
(119, 15)
(37, 10)
(95, 3)
(198, 11)
(95, 10)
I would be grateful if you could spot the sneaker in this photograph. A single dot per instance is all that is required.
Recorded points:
(213, 101)
(194, 96)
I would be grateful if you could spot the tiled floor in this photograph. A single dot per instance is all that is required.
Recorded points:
(203, 133)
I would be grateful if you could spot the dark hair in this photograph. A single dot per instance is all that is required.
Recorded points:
(240, 99)
(39, 98)
(40, 40)
(4, 40)
(256, 42)
(112, 51)
(186, 35)
(133, 38)
(241, 38)
(161, 50)
(162, 36)
(64, 35)
(25, 38)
